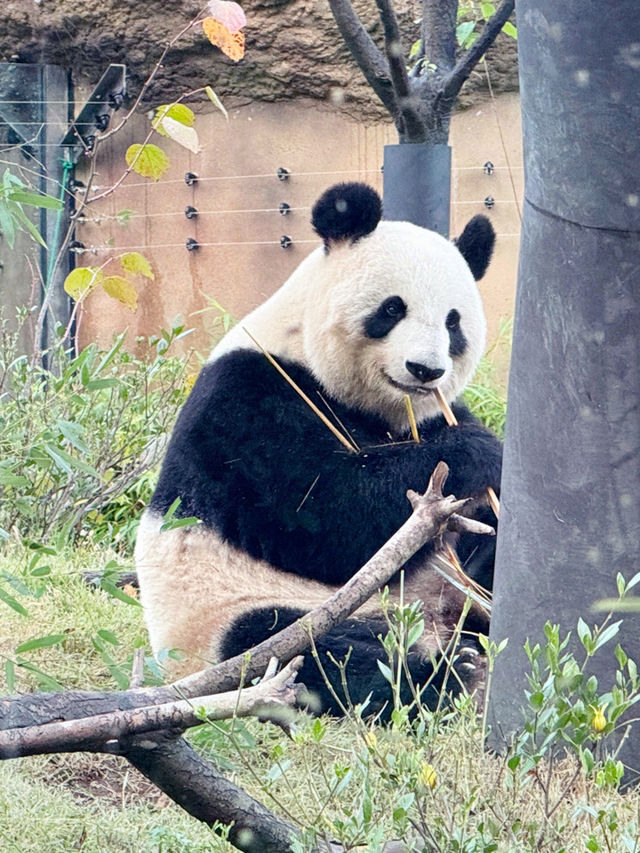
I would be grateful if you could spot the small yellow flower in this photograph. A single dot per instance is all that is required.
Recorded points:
(427, 776)
(371, 740)
(599, 720)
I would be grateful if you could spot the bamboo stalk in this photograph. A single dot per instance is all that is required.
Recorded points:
(412, 419)
(325, 420)
(451, 419)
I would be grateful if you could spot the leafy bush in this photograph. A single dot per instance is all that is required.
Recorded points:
(79, 439)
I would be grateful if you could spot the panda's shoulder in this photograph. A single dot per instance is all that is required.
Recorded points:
(244, 375)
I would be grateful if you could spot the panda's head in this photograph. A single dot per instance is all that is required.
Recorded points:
(390, 308)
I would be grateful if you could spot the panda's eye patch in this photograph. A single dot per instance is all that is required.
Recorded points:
(453, 319)
(385, 317)
(457, 340)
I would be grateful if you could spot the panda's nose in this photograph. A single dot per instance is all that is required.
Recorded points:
(422, 372)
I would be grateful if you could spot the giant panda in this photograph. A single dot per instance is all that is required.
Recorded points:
(287, 514)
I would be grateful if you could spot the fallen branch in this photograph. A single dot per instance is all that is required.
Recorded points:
(102, 732)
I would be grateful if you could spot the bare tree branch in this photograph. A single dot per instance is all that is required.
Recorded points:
(101, 733)
(470, 59)
(408, 118)
(366, 53)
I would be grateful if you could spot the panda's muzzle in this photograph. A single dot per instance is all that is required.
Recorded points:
(415, 389)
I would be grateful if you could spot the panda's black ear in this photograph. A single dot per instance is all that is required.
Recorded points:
(476, 243)
(346, 212)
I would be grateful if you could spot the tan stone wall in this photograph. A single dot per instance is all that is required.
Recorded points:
(240, 261)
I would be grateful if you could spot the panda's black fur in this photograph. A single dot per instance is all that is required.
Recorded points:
(267, 478)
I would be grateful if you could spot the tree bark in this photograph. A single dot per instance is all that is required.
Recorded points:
(571, 470)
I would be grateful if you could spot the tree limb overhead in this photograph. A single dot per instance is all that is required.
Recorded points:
(470, 59)
(366, 53)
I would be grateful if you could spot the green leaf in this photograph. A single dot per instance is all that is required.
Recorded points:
(463, 31)
(137, 264)
(66, 463)
(73, 433)
(35, 199)
(487, 10)
(7, 225)
(100, 384)
(119, 288)
(81, 281)
(609, 632)
(510, 30)
(40, 643)
(13, 604)
(114, 591)
(10, 675)
(147, 160)
(109, 637)
(41, 571)
(8, 478)
(386, 671)
(215, 100)
(178, 112)
(174, 523)
(27, 225)
(45, 681)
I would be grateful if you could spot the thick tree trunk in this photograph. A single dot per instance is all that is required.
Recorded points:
(571, 480)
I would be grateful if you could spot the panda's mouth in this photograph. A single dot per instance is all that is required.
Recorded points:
(410, 389)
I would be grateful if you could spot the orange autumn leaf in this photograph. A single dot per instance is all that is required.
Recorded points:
(231, 44)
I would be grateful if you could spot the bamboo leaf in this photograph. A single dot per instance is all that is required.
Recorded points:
(35, 199)
(12, 603)
(40, 643)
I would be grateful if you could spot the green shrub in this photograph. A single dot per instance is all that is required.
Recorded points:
(80, 438)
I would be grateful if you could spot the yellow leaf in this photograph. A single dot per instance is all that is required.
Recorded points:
(215, 100)
(120, 289)
(81, 281)
(232, 44)
(185, 136)
(147, 160)
(137, 264)
(178, 112)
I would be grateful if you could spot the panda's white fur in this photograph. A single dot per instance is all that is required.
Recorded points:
(193, 583)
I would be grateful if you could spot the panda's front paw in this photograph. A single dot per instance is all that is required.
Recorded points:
(470, 666)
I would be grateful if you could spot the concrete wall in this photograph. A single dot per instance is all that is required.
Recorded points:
(240, 261)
